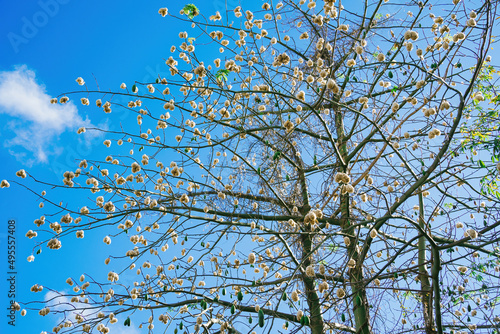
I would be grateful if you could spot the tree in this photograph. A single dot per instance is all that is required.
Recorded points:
(294, 186)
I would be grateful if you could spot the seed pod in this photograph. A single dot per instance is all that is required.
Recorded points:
(261, 318)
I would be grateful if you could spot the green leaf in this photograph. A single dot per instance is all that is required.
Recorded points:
(276, 155)
(191, 10)
(481, 163)
(233, 309)
(250, 320)
(134, 88)
(222, 74)
(127, 322)
(343, 317)
(258, 171)
(390, 74)
(38, 251)
(240, 296)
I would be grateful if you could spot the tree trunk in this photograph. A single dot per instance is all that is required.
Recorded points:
(359, 298)
(316, 319)
(423, 274)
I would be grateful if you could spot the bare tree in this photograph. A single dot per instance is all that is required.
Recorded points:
(310, 180)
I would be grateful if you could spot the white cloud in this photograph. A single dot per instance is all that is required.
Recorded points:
(125, 330)
(59, 302)
(35, 122)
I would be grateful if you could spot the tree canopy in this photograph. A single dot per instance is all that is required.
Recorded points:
(334, 171)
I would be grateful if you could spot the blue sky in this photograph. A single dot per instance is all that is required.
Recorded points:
(44, 46)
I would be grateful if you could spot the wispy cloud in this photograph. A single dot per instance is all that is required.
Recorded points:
(125, 330)
(33, 120)
(59, 302)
